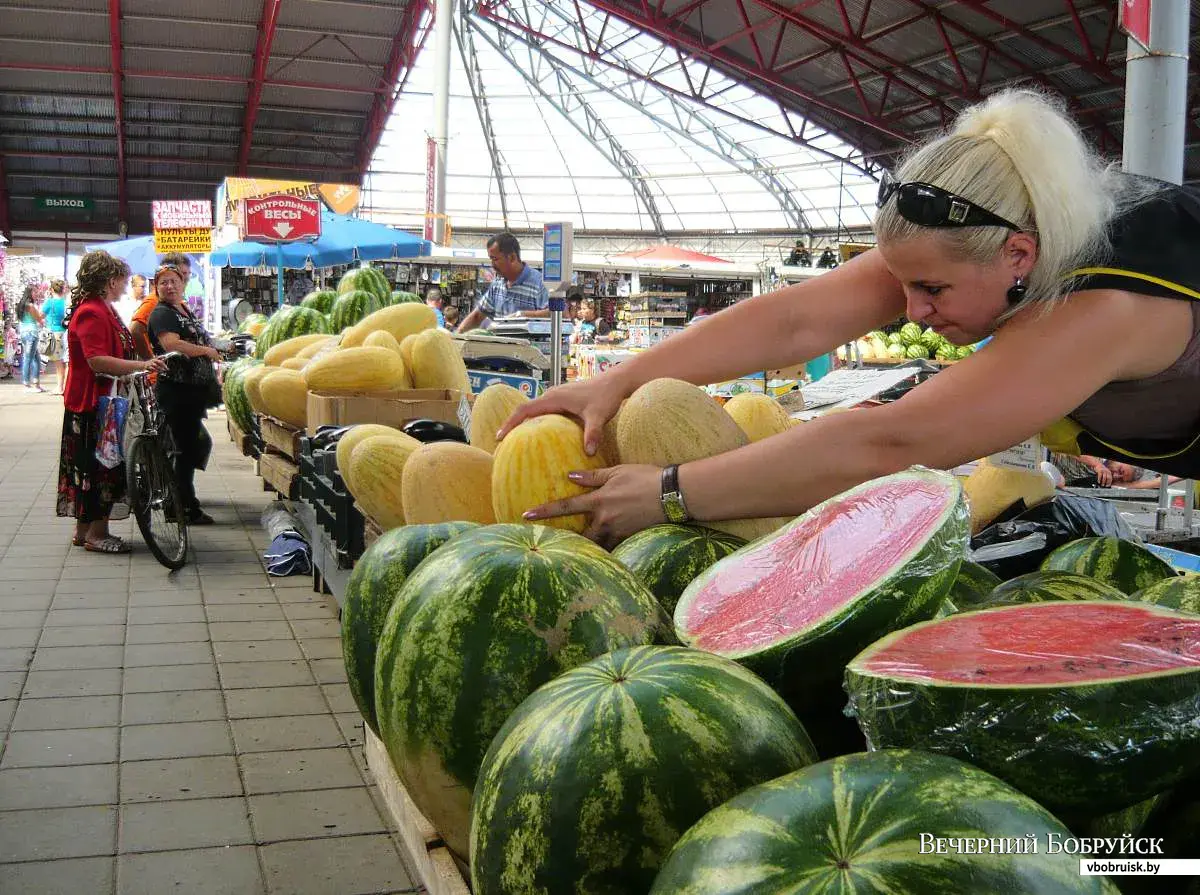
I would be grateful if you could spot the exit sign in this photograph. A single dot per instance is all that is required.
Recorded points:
(75, 208)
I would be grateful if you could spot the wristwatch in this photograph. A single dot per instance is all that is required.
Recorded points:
(672, 498)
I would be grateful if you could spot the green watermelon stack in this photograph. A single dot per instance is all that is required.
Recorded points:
(595, 776)
(1182, 593)
(1044, 586)
(402, 298)
(321, 300)
(667, 558)
(352, 307)
(1127, 566)
(973, 585)
(482, 623)
(233, 393)
(378, 576)
(368, 279)
(856, 824)
(253, 324)
(286, 323)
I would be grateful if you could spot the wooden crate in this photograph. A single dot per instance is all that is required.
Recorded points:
(241, 440)
(371, 530)
(426, 852)
(280, 438)
(280, 474)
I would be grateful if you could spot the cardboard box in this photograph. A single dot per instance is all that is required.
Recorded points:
(390, 408)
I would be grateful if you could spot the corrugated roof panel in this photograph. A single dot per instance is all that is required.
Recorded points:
(220, 10)
(302, 99)
(34, 54)
(221, 64)
(372, 47)
(380, 16)
(170, 88)
(187, 35)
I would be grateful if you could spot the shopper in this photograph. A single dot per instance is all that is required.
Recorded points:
(435, 300)
(54, 310)
(187, 389)
(1006, 225)
(450, 315)
(141, 317)
(29, 323)
(517, 288)
(98, 346)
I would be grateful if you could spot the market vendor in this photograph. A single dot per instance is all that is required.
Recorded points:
(140, 325)
(1087, 279)
(517, 288)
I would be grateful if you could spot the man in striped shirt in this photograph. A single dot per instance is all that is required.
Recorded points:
(517, 288)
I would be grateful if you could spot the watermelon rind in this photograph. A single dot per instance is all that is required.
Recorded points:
(1045, 586)
(667, 558)
(400, 297)
(375, 583)
(1182, 593)
(321, 300)
(973, 585)
(233, 393)
(367, 279)
(286, 323)
(352, 307)
(1111, 740)
(253, 324)
(806, 663)
(1127, 566)
(483, 622)
(854, 825)
(596, 775)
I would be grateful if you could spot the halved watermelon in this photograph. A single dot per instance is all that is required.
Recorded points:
(796, 605)
(1083, 706)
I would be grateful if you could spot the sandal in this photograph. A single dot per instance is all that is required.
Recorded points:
(77, 541)
(108, 545)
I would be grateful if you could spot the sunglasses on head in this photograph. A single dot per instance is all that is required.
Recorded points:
(931, 206)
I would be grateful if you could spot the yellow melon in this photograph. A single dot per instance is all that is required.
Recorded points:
(384, 339)
(400, 320)
(493, 406)
(437, 362)
(671, 421)
(295, 363)
(759, 416)
(353, 438)
(252, 380)
(406, 347)
(448, 481)
(277, 354)
(285, 396)
(377, 471)
(330, 343)
(350, 370)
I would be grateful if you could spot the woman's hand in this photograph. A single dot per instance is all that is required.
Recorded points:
(626, 499)
(592, 402)
(154, 365)
(212, 353)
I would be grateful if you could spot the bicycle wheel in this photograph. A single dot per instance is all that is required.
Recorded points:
(155, 502)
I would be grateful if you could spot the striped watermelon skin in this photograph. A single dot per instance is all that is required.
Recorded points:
(853, 825)
(1127, 566)
(1086, 707)
(1042, 587)
(321, 300)
(667, 558)
(375, 583)
(596, 775)
(481, 624)
(973, 585)
(1182, 593)
(233, 393)
(253, 324)
(400, 297)
(352, 307)
(286, 323)
(368, 279)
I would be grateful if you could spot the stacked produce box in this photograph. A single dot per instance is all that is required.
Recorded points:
(910, 341)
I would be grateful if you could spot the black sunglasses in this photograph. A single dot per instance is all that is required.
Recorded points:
(931, 206)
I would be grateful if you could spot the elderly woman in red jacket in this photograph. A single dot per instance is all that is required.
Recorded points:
(98, 345)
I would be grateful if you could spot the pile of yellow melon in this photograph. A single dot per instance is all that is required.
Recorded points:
(396, 348)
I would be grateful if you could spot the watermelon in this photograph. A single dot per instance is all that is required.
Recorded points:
(1127, 566)
(352, 307)
(401, 298)
(796, 605)
(973, 585)
(596, 775)
(233, 393)
(855, 825)
(1040, 587)
(667, 558)
(1182, 593)
(916, 351)
(253, 325)
(910, 333)
(367, 279)
(374, 585)
(287, 322)
(481, 624)
(321, 300)
(1086, 707)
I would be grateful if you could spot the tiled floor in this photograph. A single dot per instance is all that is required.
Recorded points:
(175, 733)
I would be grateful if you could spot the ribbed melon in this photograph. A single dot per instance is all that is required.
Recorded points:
(448, 481)
(311, 351)
(285, 397)
(406, 347)
(295, 363)
(376, 474)
(350, 370)
(352, 439)
(493, 406)
(759, 416)
(277, 354)
(531, 469)
(384, 339)
(992, 489)
(400, 320)
(252, 382)
(437, 361)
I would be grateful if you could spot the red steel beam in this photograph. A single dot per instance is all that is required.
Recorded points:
(262, 53)
(114, 41)
(174, 160)
(186, 76)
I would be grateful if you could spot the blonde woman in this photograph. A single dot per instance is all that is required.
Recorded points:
(1009, 226)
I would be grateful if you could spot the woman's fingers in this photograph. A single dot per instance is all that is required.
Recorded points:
(580, 503)
(591, 478)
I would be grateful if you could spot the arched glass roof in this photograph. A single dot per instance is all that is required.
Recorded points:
(588, 141)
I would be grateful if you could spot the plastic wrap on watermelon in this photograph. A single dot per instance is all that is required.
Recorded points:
(1085, 706)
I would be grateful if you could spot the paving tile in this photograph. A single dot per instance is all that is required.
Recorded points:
(173, 707)
(84, 635)
(185, 579)
(339, 697)
(293, 582)
(21, 618)
(90, 682)
(222, 613)
(165, 780)
(236, 675)
(273, 702)
(157, 597)
(27, 602)
(299, 770)
(160, 678)
(68, 712)
(166, 615)
(16, 658)
(74, 876)
(307, 610)
(257, 651)
(185, 739)
(322, 648)
(94, 591)
(285, 732)
(298, 595)
(55, 748)
(28, 573)
(194, 823)
(49, 833)
(230, 870)
(314, 815)
(238, 568)
(351, 725)
(18, 637)
(63, 658)
(251, 630)
(8, 708)
(112, 615)
(220, 595)
(141, 654)
(184, 632)
(61, 787)
(30, 561)
(317, 627)
(95, 572)
(11, 683)
(318, 867)
(329, 671)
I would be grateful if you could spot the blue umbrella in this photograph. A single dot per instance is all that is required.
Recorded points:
(137, 252)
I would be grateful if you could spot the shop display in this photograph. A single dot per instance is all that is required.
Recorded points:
(351, 307)
(492, 615)
(400, 321)
(437, 362)
(667, 558)
(285, 396)
(759, 416)
(447, 480)
(992, 489)
(377, 476)
(855, 824)
(1181, 593)
(287, 323)
(493, 406)
(595, 776)
(351, 370)
(1086, 707)
(871, 560)
(1127, 566)
(1046, 586)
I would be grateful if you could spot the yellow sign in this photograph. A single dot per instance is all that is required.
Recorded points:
(340, 198)
(192, 240)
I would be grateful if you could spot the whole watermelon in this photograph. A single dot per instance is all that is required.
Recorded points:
(1127, 566)
(400, 297)
(481, 624)
(1043, 586)
(352, 307)
(1182, 593)
(854, 826)
(378, 576)
(366, 279)
(597, 774)
(973, 585)
(321, 300)
(289, 321)
(233, 393)
(253, 325)
(667, 558)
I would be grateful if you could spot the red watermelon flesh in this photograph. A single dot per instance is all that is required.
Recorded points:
(1040, 644)
(797, 578)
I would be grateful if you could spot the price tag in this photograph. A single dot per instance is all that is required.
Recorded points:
(464, 416)
(1027, 456)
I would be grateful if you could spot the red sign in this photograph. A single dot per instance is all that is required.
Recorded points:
(430, 168)
(1135, 20)
(180, 214)
(281, 219)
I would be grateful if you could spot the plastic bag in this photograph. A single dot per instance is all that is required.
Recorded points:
(1018, 545)
(111, 412)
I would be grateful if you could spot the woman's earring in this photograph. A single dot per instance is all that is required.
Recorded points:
(1017, 291)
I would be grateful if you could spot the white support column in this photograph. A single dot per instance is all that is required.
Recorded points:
(442, 30)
